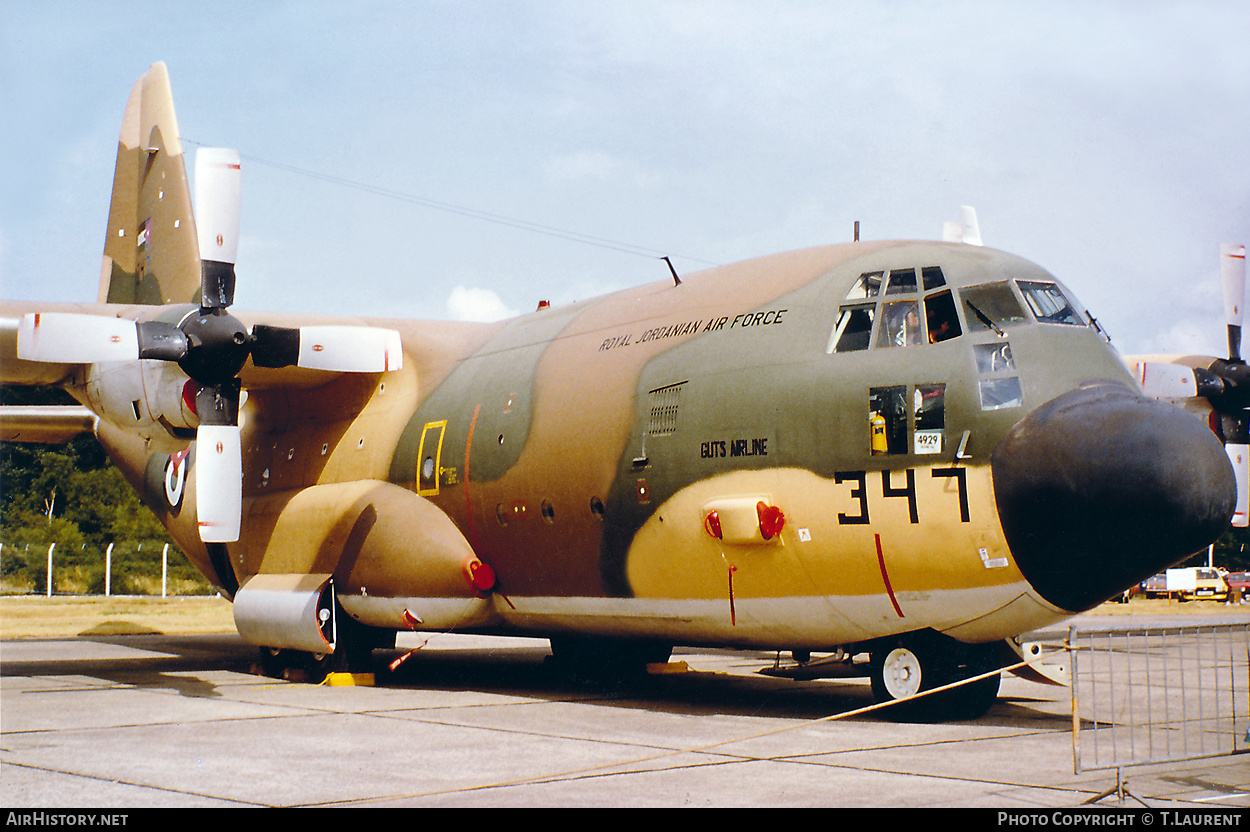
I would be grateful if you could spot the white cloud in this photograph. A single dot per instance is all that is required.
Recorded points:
(480, 305)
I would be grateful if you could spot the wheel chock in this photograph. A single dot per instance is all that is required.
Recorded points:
(340, 680)
(666, 668)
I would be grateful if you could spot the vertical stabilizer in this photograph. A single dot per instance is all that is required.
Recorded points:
(151, 255)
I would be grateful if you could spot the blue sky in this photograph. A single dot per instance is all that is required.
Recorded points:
(1107, 142)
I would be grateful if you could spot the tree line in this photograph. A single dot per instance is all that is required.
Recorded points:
(72, 495)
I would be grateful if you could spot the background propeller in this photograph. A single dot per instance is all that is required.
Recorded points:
(211, 346)
(1229, 389)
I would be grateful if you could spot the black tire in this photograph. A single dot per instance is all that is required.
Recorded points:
(919, 662)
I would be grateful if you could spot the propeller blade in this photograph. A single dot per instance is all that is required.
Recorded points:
(217, 200)
(161, 341)
(219, 482)
(1233, 280)
(1239, 456)
(1161, 380)
(274, 346)
(70, 338)
(350, 349)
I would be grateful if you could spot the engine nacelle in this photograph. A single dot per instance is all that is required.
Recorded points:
(153, 399)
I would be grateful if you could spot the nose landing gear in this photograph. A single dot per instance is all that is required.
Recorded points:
(923, 661)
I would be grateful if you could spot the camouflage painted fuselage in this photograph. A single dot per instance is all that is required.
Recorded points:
(578, 451)
(809, 450)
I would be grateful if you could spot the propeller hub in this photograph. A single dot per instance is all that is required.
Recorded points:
(218, 346)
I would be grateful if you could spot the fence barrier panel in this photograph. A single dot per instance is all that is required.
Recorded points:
(1144, 694)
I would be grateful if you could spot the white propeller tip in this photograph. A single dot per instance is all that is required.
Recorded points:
(350, 349)
(70, 338)
(219, 482)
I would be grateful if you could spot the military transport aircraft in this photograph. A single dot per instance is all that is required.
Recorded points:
(911, 450)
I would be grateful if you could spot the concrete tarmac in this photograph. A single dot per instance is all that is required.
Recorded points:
(179, 721)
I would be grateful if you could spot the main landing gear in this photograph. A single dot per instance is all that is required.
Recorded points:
(921, 661)
(353, 653)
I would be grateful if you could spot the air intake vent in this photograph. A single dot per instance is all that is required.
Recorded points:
(664, 404)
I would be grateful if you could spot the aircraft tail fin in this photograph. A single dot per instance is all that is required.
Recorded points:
(151, 255)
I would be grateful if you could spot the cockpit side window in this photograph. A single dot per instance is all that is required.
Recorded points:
(1049, 305)
(991, 306)
(853, 331)
(887, 420)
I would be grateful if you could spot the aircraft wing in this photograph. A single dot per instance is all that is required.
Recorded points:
(45, 424)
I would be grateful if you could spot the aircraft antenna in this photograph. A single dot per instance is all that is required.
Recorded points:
(676, 279)
(857, 231)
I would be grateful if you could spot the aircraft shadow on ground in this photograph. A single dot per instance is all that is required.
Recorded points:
(517, 671)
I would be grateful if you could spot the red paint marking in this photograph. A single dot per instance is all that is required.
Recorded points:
(885, 577)
(188, 396)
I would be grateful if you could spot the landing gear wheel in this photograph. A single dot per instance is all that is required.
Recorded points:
(353, 653)
(901, 673)
(919, 662)
(274, 661)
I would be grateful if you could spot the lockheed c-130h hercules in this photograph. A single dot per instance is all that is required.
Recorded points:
(913, 450)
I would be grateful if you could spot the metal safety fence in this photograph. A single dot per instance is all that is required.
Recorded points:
(1147, 694)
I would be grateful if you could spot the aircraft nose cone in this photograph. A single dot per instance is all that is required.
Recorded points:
(1101, 487)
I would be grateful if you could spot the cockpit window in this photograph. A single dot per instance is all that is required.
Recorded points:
(940, 316)
(853, 330)
(932, 277)
(998, 393)
(902, 281)
(867, 286)
(993, 357)
(900, 324)
(879, 298)
(1049, 305)
(991, 306)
